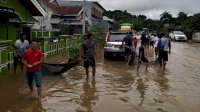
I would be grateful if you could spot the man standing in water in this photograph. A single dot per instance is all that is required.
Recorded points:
(88, 52)
(20, 46)
(128, 46)
(33, 58)
(164, 46)
(142, 57)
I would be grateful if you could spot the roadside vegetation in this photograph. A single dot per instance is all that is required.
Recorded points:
(74, 50)
(166, 22)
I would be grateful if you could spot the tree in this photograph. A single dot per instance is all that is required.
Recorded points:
(143, 17)
(194, 22)
(166, 18)
(181, 18)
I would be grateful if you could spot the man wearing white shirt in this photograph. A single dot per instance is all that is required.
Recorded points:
(164, 46)
(156, 44)
(20, 46)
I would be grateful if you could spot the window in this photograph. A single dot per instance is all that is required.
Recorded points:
(116, 37)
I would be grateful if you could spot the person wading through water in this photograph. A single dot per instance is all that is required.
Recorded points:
(88, 54)
(164, 46)
(20, 46)
(142, 57)
(128, 46)
(33, 58)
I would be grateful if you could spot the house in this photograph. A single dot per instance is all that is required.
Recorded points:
(70, 13)
(16, 17)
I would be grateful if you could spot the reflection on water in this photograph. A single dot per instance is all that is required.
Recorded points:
(89, 95)
(116, 88)
(141, 88)
(161, 80)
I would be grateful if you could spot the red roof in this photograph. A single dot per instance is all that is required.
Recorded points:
(62, 10)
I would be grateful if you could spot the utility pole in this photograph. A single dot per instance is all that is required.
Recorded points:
(42, 26)
(84, 10)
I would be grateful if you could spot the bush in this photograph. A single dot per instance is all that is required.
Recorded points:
(74, 51)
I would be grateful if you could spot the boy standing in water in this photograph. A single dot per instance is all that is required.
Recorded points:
(142, 57)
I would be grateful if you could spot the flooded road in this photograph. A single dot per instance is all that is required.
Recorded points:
(116, 88)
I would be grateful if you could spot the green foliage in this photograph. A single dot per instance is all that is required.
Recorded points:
(166, 18)
(97, 34)
(74, 43)
(73, 51)
(164, 24)
(63, 29)
(193, 23)
(120, 17)
(182, 17)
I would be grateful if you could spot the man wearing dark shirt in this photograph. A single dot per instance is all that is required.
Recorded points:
(128, 45)
(142, 57)
(143, 38)
(88, 53)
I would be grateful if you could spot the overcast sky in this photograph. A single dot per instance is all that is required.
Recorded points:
(153, 8)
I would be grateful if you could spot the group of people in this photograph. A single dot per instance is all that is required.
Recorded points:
(159, 42)
(31, 57)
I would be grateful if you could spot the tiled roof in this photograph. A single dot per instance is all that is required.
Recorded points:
(62, 10)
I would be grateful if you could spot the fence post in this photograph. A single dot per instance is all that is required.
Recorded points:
(4, 59)
(46, 49)
(4, 56)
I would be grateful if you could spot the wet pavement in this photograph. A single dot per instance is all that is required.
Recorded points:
(116, 88)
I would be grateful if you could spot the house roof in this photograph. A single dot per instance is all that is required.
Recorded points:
(77, 2)
(97, 3)
(34, 7)
(62, 10)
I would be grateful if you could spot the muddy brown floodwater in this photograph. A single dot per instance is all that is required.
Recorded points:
(116, 88)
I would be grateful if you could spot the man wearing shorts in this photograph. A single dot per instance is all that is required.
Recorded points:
(33, 58)
(88, 52)
(142, 57)
(164, 46)
(128, 46)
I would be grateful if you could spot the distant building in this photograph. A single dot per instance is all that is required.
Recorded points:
(69, 13)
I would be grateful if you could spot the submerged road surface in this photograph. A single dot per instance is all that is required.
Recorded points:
(116, 88)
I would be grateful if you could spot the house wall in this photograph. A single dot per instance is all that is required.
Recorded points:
(89, 10)
(97, 11)
(6, 55)
(11, 32)
(2, 31)
(23, 13)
